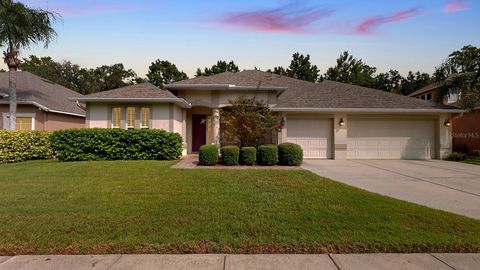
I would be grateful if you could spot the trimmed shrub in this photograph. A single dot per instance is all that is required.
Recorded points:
(456, 156)
(248, 156)
(267, 155)
(16, 146)
(208, 155)
(230, 155)
(290, 154)
(116, 144)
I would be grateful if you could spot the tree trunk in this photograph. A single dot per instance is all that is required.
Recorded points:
(12, 61)
(12, 82)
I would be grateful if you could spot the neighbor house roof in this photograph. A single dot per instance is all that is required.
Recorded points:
(40, 92)
(429, 88)
(144, 92)
(325, 96)
(434, 86)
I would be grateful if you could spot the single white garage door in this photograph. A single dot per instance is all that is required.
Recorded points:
(390, 139)
(313, 135)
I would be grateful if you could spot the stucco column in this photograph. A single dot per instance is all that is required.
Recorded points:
(340, 136)
(216, 126)
(184, 132)
(445, 135)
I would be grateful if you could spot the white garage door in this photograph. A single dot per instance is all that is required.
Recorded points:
(313, 135)
(390, 139)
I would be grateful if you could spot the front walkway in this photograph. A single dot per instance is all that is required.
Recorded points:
(449, 186)
(246, 262)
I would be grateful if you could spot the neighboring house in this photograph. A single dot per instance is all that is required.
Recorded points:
(466, 126)
(42, 105)
(330, 120)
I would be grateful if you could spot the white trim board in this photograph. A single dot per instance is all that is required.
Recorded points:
(40, 106)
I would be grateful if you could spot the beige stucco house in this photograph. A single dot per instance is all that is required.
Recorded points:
(330, 120)
(42, 104)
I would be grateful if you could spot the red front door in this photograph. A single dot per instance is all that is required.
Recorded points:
(199, 131)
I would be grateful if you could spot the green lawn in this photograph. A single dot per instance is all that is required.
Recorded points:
(472, 160)
(145, 207)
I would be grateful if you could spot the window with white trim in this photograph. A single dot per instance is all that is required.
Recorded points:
(145, 117)
(24, 121)
(116, 117)
(130, 117)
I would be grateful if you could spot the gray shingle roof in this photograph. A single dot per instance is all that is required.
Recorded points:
(244, 78)
(143, 90)
(330, 94)
(327, 94)
(32, 88)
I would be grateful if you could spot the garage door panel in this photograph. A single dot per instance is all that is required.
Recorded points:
(313, 135)
(310, 142)
(391, 139)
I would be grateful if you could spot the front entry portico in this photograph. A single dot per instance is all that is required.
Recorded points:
(203, 127)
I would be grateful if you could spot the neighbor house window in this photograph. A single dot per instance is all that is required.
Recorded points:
(116, 117)
(453, 95)
(429, 96)
(145, 117)
(130, 117)
(24, 123)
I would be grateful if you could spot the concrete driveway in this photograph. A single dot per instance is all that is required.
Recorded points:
(449, 186)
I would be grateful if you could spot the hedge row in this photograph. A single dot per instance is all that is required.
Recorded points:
(231, 155)
(16, 146)
(208, 155)
(287, 154)
(456, 156)
(116, 144)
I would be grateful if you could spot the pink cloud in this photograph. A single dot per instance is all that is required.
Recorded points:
(283, 19)
(455, 6)
(368, 25)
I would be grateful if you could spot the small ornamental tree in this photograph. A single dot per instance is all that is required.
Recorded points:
(248, 121)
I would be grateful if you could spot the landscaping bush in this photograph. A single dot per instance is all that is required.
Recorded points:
(16, 146)
(267, 155)
(208, 155)
(248, 156)
(230, 155)
(290, 154)
(456, 156)
(116, 144)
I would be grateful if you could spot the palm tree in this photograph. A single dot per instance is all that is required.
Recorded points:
(21, 27)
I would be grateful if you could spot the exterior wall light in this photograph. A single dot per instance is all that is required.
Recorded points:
(341, 123)
(448, 123)
(281, 125)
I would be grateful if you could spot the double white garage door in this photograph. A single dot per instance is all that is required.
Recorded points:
(366, 138)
